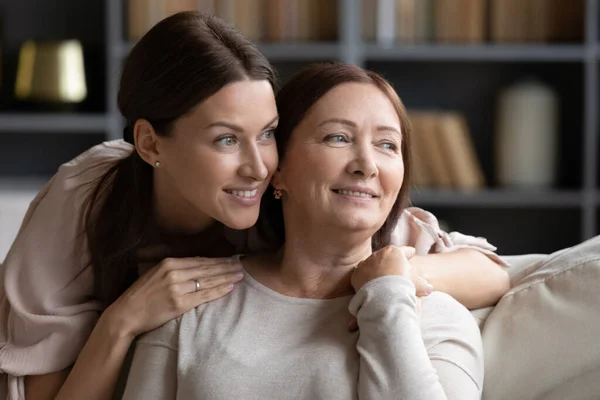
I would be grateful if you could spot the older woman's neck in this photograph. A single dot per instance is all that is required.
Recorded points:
(319, 265)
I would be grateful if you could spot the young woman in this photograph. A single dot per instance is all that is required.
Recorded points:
(109, 248)
(343, 182)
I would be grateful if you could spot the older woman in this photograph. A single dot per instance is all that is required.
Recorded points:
(343, 180)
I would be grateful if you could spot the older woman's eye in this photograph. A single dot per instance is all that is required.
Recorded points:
(389, 146)
(226, 141)
(336, 139)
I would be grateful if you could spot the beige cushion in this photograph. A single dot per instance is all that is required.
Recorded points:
(520, 266)
(541, 341)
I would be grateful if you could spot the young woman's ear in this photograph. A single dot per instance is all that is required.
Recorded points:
(146, 141)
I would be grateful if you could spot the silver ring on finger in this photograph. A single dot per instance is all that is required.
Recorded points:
(197, 285)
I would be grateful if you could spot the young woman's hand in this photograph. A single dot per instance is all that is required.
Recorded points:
(171, 288)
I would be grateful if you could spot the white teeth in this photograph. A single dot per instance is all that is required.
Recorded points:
(244, 193)
(356, 194)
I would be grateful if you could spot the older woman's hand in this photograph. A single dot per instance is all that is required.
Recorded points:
(390, 260)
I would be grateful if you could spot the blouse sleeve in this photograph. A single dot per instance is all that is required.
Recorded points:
(47, 309)
(420, 229)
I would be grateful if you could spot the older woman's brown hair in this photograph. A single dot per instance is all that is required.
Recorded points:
(294, 100)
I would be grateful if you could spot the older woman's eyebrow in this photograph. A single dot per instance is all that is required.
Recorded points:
(354, 125)
(339, 121)
(389, 129)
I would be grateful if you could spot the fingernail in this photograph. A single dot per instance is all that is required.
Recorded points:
(429, 288)
(239, 275)
(230, 287)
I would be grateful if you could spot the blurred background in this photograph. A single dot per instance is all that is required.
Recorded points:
(502, 94)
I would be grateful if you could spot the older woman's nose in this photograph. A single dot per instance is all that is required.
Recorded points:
(363, 161)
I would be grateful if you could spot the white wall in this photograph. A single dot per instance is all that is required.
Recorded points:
(15, 197)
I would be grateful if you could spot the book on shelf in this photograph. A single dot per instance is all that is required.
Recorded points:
(390, 21)
(536, 20)
(415, 21)
(460, 21)
(387, 22)
(258, 20)
(444, 155)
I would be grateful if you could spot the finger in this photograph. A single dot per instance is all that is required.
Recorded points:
(169, 264)
(214, 281)
(196, 299)
(422, 286)
(221, 260)
(202, 273)
(408, 251)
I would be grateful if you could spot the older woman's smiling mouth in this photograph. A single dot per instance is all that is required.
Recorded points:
(357, 192)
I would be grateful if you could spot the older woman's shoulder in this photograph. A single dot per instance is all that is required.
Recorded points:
(452, 337)
(443, 317)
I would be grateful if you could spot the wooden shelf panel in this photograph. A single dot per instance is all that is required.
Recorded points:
(497, 198)
(478, 52)
(53, 123)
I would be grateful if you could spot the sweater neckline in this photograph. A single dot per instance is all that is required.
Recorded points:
(256, 285)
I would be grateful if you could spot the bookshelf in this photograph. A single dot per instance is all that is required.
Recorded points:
(443, 75)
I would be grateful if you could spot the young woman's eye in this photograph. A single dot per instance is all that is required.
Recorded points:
(269, 134)
(336, 139)
(226, 141)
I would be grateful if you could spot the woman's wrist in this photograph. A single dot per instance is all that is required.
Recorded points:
(117, 325)
(425, 267)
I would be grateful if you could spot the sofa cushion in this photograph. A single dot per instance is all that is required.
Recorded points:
(541, 339)
(520, 266)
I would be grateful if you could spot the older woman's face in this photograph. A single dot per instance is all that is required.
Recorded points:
(344, 164)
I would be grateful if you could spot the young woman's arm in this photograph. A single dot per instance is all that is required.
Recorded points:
(153, 373)
(468, 275)
(465, 267)
(94, 375)
(157, 297)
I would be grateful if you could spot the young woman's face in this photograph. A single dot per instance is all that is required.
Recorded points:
(219, 159)
(343, 167)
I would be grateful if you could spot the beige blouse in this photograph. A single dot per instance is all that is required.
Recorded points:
(47, 307)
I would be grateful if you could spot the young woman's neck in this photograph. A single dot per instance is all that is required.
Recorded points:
(175, 215)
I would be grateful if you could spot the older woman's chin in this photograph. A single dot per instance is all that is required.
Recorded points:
(369, 224)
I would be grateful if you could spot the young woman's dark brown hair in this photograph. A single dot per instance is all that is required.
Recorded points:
(178, 64)
(199, 104)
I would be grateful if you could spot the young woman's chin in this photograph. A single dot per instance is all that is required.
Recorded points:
(240, 220)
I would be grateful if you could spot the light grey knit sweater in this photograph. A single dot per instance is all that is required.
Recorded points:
(259, 344)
